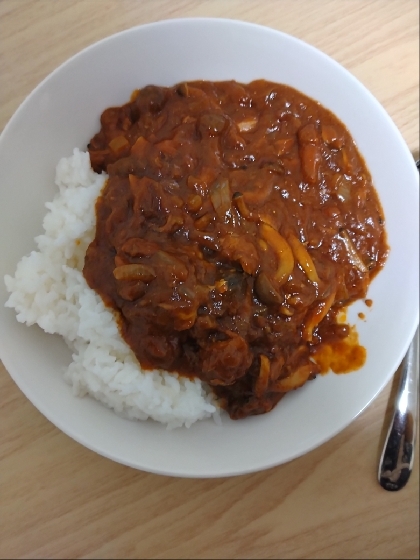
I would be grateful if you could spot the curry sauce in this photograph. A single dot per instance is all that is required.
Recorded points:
(236, 223)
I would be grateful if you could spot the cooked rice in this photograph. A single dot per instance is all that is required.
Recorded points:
(49, 289)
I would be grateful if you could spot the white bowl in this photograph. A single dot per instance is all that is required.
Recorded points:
(63, 113)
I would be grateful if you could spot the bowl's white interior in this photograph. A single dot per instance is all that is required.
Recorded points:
(63, 112)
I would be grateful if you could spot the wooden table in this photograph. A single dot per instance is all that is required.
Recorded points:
(60, 500)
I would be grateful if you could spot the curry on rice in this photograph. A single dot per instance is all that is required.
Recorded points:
(237, 222)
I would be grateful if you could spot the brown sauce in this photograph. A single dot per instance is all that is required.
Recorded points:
(237, 224)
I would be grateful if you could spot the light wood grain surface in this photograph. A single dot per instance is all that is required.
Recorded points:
(60, 500)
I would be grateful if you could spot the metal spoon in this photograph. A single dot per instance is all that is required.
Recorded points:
(397, 456)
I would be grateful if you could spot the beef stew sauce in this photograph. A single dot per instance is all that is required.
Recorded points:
(237, 223)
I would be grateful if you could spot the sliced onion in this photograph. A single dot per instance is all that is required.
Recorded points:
(134, 272)
(354, 257)
(239, 202)
(220, 198)
(247, 124)
(343, 189)
(172, 263)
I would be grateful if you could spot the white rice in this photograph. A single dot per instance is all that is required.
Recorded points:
(49, 289)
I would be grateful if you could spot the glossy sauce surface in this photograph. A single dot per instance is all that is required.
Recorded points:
(237, 221)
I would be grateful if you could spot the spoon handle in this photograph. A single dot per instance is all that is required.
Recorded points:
(398, 454)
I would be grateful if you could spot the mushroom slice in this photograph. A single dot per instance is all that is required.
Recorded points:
(265, 290)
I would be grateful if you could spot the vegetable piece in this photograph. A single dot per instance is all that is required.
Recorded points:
(205, 239)
(225, 361)
(239, 95)
(303, 258)
(262, 187)
(283, 146)
(150, 99)
(267, 219)
(232, 140)
(137, 247)
(351, 162)
(296, 379)
(265, 290)
(352, 252)
(140, 148)
(263, 245)
(308, 134)
(188, 119)
(247, 124)
(173, 223)
(194, 203)
(274, 167)
(331, 137)
(221, 286)
(283, 251)
(285, 310)
(185, 90)
(200, 184)
(220, 198)
(183, 317)
(131, 291)
(315, 316)
(141, 272)
(147, 196)
(240, 249)
(203, 222)
(212, 124)
(263, 378)
(311, 160)
(239, 202)
(174, 265)
(119, 144)
(343, 187)
(168, 147)
(177, 201)
(276, 367)
(134, 95)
